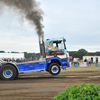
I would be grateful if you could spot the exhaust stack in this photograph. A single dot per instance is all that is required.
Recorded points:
(42, 47)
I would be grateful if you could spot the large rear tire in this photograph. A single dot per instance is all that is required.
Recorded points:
(54, 69)
(8, 72)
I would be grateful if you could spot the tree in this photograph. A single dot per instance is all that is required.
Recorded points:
(2, 51)
(31, 55)
(25, 53)
(73, 54)
(81, 53)
(97, 53)
(14, 52)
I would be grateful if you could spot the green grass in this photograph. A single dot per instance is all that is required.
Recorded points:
(88, 68)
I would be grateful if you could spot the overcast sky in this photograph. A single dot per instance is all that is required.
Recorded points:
(76, 20)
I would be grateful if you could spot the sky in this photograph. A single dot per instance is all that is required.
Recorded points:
(76, 20)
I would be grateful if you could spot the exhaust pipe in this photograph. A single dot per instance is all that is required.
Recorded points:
(42, 47)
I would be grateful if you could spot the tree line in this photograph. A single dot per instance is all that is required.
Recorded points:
(75, 54)
(82, 52)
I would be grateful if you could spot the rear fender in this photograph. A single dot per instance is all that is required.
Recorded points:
(3, 64)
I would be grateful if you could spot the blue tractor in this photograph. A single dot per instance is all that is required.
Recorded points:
(53, 57)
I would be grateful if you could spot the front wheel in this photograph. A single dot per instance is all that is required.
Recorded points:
(8, 72)
(54, 69)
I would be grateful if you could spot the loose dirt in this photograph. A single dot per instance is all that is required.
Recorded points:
(43, 86)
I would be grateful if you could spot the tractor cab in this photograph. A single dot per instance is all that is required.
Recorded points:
(56, 48)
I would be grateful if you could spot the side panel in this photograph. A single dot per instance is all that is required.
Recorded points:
(31, 66)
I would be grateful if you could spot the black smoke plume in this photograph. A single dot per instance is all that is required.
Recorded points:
(31, 10)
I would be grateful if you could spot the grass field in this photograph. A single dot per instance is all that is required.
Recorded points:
(88, 68)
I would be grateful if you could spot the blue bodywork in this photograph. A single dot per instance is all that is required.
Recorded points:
(30, 66)
(40, 65)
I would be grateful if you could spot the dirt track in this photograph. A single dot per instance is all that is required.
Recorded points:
(43, 86)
